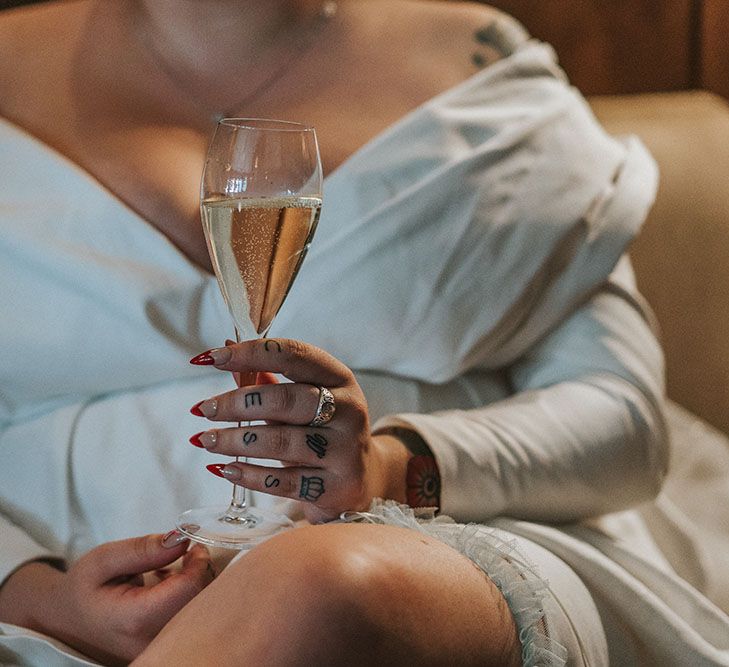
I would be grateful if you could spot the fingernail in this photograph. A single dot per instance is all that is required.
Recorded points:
(173, 538)
(204, 439)
(231, 473)
(216, 469)
(216, 356)
(203, 359)
(205, 408)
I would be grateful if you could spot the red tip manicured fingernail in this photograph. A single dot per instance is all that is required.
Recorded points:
(203, 359)
(195, 440)
(217, 356)
(216, 469)
(195, 409)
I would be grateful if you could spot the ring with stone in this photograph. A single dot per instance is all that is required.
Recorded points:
(325, 409)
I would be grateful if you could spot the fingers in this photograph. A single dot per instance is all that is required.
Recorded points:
(287, 402)
(181, 586)
(169, 595)
(306, 484)
(132, 556)
(295, 360)
(289, 444)
(324, 466)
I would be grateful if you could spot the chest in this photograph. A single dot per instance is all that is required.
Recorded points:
(143, 142)
(156, 171)
(138, 147)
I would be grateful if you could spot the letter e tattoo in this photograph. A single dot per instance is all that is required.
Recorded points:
(252, 398)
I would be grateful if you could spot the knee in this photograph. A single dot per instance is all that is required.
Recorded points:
(322, 598)
(362, 595)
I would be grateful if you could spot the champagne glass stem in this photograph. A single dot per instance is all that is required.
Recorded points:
(239, 501)
(237, 510)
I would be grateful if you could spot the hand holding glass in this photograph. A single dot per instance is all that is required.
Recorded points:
(261, 195)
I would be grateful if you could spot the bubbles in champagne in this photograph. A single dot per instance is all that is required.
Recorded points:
(257, 246)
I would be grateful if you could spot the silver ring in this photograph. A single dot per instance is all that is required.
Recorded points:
(325, 409)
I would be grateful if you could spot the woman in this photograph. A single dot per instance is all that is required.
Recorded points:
(474, 224)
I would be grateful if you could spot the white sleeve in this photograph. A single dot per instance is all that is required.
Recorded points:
(29, 524)
(17, 548)
(583, 433)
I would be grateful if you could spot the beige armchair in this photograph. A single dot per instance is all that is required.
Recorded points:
(682, 256)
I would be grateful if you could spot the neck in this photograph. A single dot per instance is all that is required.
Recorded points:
(201, 40)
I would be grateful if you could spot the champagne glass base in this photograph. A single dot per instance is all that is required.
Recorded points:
(214, 527)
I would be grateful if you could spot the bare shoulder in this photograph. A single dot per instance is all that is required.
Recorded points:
(437, 17)
(436, 34)
(34, 45)
(24, 28)
(449, 11)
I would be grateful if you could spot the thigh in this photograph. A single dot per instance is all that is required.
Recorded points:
(354, 594)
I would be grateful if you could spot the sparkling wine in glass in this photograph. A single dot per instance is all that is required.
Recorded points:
(261, 195)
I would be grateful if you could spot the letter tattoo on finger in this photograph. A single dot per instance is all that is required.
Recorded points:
(317, 443)
(249, 437)
(252, 398)
(271, 342)
(271, 481)
(311, 488)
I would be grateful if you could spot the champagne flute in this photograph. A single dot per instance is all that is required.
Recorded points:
(261, 196)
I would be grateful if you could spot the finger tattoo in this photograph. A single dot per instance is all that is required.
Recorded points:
(317, 443)
(249, 437)
(272, 343)
(311, 488)
(271, 481)
(252, 398)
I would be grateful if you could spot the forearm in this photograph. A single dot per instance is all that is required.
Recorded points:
(18, 549)
(28, 596)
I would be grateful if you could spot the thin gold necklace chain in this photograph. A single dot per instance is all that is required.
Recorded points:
(323, 16)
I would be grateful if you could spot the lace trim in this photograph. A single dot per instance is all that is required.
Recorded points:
(517, 578)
